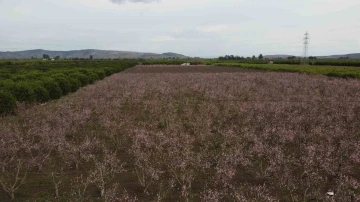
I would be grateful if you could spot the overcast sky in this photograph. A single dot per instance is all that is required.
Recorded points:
(205, 28)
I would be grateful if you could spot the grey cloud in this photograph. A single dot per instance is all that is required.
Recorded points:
(133, 1)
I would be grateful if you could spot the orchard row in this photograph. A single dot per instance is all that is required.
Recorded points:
(40, 82)
(342, 72)
(157, 134)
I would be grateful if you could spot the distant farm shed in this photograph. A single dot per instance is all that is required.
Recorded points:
(271, 62)
(185, 64)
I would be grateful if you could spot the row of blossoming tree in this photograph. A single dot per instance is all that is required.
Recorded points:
(246, 136)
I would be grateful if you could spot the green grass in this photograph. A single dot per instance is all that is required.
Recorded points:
(343, 72)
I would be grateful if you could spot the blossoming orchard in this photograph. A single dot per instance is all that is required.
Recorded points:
(188, 133)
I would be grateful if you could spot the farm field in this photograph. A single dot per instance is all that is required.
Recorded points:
(178, 133)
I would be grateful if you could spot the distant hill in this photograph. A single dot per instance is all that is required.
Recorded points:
(97, 54)
(350, 56)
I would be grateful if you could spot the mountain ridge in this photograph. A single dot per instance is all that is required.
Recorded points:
(85, 53)
(350, 56)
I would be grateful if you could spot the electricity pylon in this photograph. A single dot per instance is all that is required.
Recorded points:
(306, 49)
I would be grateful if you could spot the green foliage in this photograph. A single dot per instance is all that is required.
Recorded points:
(41, 81)
(100, 73)
(18, 77)
(74, 83)
(46, 56)
(84, 80)
(337, 62)
(52, 87)
(109, 70)
(63, 83)
(23, 92)
(290, 60)
(7, 102)
(35, 75)
(5, 75)
(91, 75)
(7, 84)
(40, 93)
(343, 72)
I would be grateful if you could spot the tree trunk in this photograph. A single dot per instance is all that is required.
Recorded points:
(56, 191)
(12, 196)
(102, 192)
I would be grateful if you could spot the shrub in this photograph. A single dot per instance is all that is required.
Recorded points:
(18, 78)
(34, 76)
(92, 77)
(5, 75)
(75, 84)
(109, 70)
(40, 93)
(84, 80)
(7, 103)
(100, 73)
(23, 92)
(43, 69)
(64, 84)
(52, 87)
(7, 84)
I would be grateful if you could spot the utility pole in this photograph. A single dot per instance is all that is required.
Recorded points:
(306, 49)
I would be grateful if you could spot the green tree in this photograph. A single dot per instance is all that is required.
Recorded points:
(52, 87)
(24, 91)
(7, 102)
(261, 57)
(45, 56)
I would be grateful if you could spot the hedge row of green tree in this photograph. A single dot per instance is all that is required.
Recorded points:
(40, 82)
(343, 72)
(293, 61)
